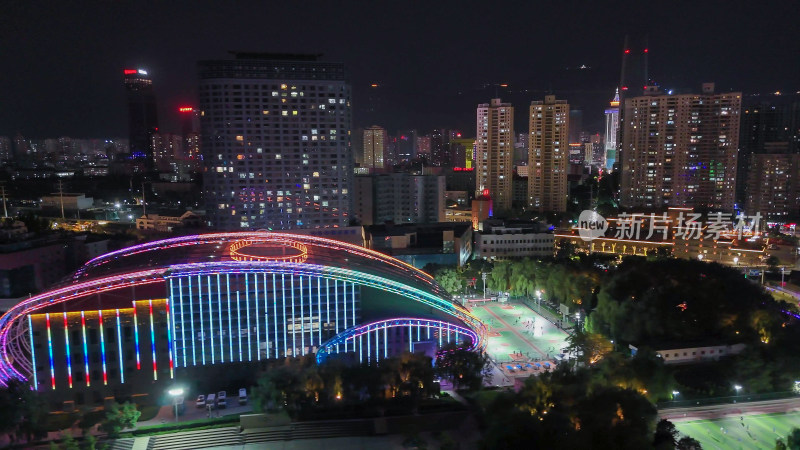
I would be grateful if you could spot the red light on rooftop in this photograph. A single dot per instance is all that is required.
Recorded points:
(458, 134)
(645, 50)
(627, 50)
(130, 71)
(184, 109)
(486, 192)
(624, 88)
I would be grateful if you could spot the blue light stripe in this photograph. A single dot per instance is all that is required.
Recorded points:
(210, 320)
(336, 307)
(258, 327)
(69, 356)
(102, 347)
(302, 318)
(239, 322)
(191, 321)
(219, 318)
(344, 305)
(319, 310)
(285, 322)
(294, 320)
(249, 328)
(183, 327)
(202, 327)
(119, 350)
(33, 354)
(230, 319)
(275, 310)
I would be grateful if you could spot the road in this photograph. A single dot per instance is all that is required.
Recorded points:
(730, 409)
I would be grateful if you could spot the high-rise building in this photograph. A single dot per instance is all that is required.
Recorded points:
(406, 145)
(399, 198)
(142, 114)
(773, 187)
(463, 150)
(680, 150)
(612, 131)
(374, 139)
(424, 146)
(765, 122)
(276, 134)
(494, 153)
(548, 155)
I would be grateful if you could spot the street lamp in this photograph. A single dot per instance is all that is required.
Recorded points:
(675, 394)
(738, 388)
(539, 301)
(783, 270)
(736, 260)
(483, 277)
(176, 394)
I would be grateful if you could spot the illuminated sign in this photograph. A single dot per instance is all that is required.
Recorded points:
(463, 169)
(184, 109)
(129, 71)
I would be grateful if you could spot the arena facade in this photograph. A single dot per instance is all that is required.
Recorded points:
(131, 321)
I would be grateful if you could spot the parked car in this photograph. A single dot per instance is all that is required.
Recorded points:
(201, 401)
(211, 401)
(242, 396)
(222, 399)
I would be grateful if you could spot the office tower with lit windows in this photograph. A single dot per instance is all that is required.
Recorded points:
(494, 153)
(548, 153)
(680, 150)
(275, 142)
(374, 141)
(612, 131)
(142, 114)
(406, 149)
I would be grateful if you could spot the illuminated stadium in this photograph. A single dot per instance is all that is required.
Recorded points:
(131, 320)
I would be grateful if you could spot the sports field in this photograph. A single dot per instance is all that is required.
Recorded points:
(517, 333)
(740, 432)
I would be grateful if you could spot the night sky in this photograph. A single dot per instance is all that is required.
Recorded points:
(61, 64)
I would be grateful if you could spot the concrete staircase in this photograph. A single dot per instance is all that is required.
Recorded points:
(214, 437)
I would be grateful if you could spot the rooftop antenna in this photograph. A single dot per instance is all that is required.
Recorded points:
(61, 197)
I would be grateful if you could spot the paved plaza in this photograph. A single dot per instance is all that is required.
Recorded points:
(519, 338)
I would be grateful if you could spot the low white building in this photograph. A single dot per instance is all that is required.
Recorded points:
(699, 353)
(531, 240)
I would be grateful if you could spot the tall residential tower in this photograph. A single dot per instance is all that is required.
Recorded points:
(548, 152)
(374, 141)
(494, 152)
(275, 142)
(680, 150)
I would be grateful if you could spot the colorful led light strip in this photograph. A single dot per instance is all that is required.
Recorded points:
(61, 295)
(169, 344)
(33, 355)
(136, 336)
(85, 350)
(153, 341)
(365, 330)
(103, 347)
(67, 351)
(50, 349)
(119, 350)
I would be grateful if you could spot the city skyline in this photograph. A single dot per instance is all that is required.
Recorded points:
(438, 61)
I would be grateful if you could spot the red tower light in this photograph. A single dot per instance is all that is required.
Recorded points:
(185, 109)
(645, 50)
(130, 71)
(624, 88)
(627, 50)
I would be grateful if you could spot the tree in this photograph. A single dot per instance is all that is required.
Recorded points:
(120, 417)
(266, 396)
(773, 262)
(588, 348)
(22, 411)
(688, 443)
(464, 368)
(666, 436)
(450, 280)
(792, 441)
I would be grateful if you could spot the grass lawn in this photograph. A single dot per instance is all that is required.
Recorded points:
(758, 431)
